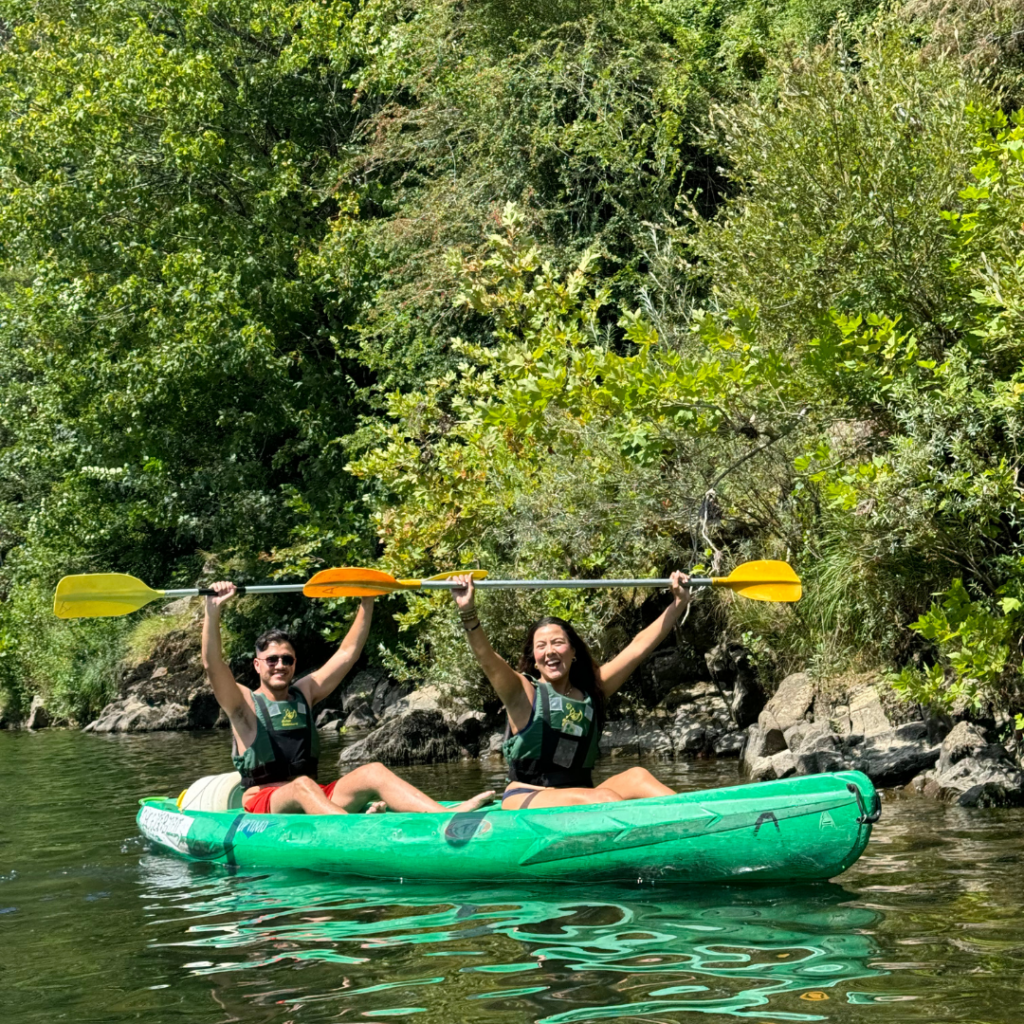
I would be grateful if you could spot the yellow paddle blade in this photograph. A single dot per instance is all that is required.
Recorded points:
(763, 581)
(101, 594)
(352, 582)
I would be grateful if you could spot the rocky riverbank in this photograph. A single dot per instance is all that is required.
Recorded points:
(806, 729)
(680, 705)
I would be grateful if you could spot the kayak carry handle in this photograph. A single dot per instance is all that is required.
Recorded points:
(865, 818)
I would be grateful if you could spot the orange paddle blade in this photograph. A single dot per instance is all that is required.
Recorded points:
(354, 582)
(477, 574)
(351, 582)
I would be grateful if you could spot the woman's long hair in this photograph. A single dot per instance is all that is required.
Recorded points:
(582, 672)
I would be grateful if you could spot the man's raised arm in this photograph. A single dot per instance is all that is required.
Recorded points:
(325, 679)
(225, 688)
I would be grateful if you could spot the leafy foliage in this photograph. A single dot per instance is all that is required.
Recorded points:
(579, 287)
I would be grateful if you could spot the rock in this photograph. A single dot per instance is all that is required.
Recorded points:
(468, 730)
(968, 740)
(814, 762)
(784, 763)
(427, 698)
(973, 782)
(839, 720)
(729, 744)
(890, 761)
(360, 717)
(756, 748)
(772, 739)
(867, 717)
(386, 692)
(38, 716)
(666, 671)
(167, 692)
(973, 771)
(819, 752)
(493, 744)
(763, 770)
(792, 701)
(134, 715)
(725, 661)
(419, 737)
(992, 794)
(729, 665)
(638, 736)
(912, 731)
(748, 701)
(329, 716)
(794, 735)
(690, 740)
(203, 711)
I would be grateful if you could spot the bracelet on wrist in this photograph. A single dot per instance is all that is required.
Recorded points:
(468, 628)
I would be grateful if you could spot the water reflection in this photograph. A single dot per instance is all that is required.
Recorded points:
(551, 954)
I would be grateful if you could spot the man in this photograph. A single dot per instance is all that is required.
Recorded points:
(274, 739)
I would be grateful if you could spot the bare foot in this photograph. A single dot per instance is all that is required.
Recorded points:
(377, 807)
(474, 802)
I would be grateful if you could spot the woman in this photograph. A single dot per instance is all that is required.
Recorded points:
(555, 701)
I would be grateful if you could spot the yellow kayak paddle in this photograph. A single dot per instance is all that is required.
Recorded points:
(98, 595)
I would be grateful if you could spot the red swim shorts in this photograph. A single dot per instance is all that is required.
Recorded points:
(258, 802)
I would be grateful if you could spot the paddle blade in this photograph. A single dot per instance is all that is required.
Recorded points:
(477, 574)
(350, 582)
(764, 581)
(99, 595)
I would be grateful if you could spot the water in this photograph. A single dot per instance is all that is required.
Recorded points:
(94, 927)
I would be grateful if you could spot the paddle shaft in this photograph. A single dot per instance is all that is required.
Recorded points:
(268, 588)
(296, 588)
(694, 581)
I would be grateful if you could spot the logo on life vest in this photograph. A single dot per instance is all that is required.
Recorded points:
(289, 719)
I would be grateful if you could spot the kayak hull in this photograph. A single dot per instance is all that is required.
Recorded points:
(800, 829)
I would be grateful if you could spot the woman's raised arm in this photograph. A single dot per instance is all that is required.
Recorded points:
(612, 674)
(513, 690)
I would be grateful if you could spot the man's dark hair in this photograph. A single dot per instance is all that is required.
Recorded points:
(274, 636)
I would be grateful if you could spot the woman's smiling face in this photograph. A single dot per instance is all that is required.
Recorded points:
(553, 653)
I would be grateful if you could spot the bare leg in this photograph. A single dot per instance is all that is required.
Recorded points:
(636, 784)
(375, 782)
(302, 796)
(570, 797)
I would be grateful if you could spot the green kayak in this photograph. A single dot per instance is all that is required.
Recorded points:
(804, 828)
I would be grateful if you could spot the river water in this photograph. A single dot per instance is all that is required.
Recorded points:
(926, 927)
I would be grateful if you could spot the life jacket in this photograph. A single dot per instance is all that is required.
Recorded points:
(558, 747)
(286, 743)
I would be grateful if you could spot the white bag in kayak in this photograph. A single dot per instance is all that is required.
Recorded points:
(213, 793)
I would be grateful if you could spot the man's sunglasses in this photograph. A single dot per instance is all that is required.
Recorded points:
(273, 659)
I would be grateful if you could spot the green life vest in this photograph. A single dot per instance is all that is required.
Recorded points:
(286, 744)
(558, 747)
